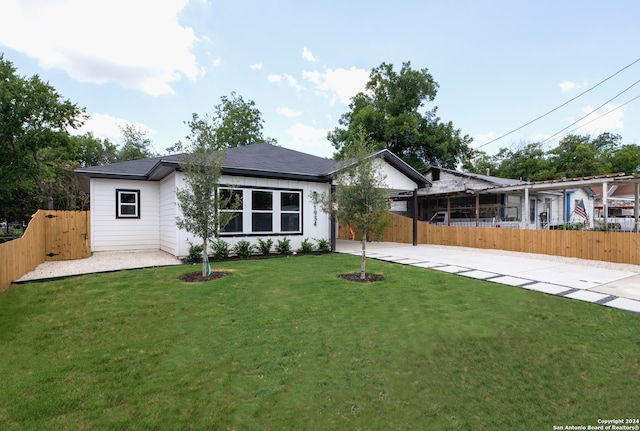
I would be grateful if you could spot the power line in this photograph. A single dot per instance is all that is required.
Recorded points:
(596, 119)
(582, 118)
(564, 104)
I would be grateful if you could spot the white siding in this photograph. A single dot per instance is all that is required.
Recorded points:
(109, 233)
(394, 179)
(168, 230)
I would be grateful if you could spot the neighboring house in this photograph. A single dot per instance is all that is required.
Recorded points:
(473, 199)
(134, 206)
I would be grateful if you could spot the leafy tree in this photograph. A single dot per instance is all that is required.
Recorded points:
(33, 119)
(626, 159)
(362, 202)
(135, 144)
(581, 156)
(89, 150)
(235, 123)
(389, 111)
(201, 201)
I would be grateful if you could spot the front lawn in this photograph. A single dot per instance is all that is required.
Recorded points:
(285, 344)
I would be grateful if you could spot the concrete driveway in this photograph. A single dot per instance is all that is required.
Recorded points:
(613, 285)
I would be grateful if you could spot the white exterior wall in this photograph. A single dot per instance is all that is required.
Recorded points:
(394, 179)
(109, 233)
(168, 212)
(315, 223)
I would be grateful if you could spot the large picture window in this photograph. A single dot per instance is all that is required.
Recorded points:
(264, 211)
(127, 203)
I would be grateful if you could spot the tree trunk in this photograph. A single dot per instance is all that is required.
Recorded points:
(205, 259)
(363, 264)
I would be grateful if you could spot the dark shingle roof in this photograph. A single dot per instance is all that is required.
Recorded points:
(258, 160)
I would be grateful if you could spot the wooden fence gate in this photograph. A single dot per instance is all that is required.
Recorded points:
(66, 235)
(50, 235)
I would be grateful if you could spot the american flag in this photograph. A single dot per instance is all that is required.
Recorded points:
(581, 210)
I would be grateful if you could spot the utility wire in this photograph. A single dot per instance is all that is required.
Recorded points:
(582, 118)
(564, 104)
(596, 119)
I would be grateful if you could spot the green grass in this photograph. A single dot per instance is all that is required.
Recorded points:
(284, 344)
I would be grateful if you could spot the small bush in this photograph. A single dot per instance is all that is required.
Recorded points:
(195, 253)
(220, 249)
(264, 246)
(243, 249)
(283, 246)
(306, 246)
(324, 245)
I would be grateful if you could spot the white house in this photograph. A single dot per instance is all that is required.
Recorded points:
(134, 206)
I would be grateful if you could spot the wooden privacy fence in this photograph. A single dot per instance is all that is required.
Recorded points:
(50, 235)
(617, 247)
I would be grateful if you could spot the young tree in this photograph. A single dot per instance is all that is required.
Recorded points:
(201, 201)
(389, 110)
(360, 196)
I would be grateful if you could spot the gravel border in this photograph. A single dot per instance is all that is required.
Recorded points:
(103, 261)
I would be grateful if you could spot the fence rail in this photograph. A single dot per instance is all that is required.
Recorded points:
(616, 247)
(50, 235)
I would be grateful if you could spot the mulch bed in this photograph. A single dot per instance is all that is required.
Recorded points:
(197, 276)
(368, 278)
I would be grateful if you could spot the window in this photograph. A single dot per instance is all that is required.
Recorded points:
(231, 202)
(290, 211)
(127, 203)
(261, 211)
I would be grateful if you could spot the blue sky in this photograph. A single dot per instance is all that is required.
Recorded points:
(499, 64)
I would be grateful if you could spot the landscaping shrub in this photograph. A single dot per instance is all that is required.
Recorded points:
(324, 245)
(306, 246)
(243, 249)
(264, 246)
(195, 253)
(283, 246)
(221, 249)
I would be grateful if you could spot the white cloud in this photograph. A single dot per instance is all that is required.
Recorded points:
(609, 117)
(256, 66)
(216, 61)
(139, 45)
(106, 126)
(309, 140)
(346, 83)
(288, 112)
(568, 85)
(313, 76)
(293, 82)
(274, 78)
(307, 55)
(482, 138)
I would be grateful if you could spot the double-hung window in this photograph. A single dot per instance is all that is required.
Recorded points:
(261, 211)
(231, 202)
(127, 203)
(290, 211)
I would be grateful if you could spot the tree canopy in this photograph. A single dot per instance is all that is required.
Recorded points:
(235, 122)
(392, 112)
(34, 121)
(574, 156)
